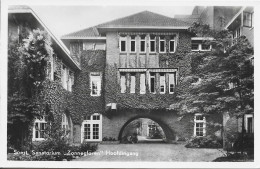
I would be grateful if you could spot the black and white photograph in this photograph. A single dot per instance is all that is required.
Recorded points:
(129, 83)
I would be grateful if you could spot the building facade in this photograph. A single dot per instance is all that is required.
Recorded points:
(127, 69)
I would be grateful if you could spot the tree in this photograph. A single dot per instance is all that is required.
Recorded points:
(26, 71)
(222, 80)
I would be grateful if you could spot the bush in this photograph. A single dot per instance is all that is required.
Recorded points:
(204, 142)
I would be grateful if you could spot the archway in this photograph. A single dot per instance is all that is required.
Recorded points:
(169, 133)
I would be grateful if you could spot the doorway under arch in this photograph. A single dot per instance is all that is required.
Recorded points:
(168, 133)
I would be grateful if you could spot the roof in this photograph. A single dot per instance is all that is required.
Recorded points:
(145, 19)
(26, 9)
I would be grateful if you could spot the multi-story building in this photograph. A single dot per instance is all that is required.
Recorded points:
(123, 70)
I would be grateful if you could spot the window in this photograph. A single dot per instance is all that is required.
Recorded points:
(133, 44)
(132, 83)
(70, 81)
(95, 84)
(247, 19)
(142, 83)
(199, 125)
(39, 129)
(123, 82)
(249, 123)
(162, 46)
(172, 83)
(123, 44)
(152, 44)
(152, 82)
(142, 45)
(64, 77)
(200, 45)
(162, 83)
(172, 46)
(65, 123)
(236, 33)
(92, 128)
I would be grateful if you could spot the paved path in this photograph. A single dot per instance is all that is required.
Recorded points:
(151, 152)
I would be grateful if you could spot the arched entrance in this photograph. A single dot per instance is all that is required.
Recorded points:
(169, 133)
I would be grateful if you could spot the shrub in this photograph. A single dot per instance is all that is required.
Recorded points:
(204, 142)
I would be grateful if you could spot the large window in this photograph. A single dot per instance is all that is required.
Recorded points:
(247, 19)
(249, 123)
(123, 82)
(152, 44)
(64, 77)
(199, 125)
(39, 129)
(65, 123)
(152, 82)
(133, 47)
(201, 44)
(142, 44)
(162, 83)
(132, 83)
(172, 82)
(142, 83)
(91, 128)
(123, 44)
(95, 84)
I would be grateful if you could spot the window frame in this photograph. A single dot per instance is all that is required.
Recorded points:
(174, 85)
(150, 84)
(92, 122)
(64, 77)
(250, 20)
(132, 40)
(120, 44)
(40, 121)
(164, 84)
(152, 40)
(142, 40)
(172, 40)
(123, 84)
(141, 84)
(162, 40)
(92, 76)
(246, 116)
(132, 82)
(200, 121)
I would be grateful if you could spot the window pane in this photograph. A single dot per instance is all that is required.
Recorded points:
(132, 46)
(162, 83)
(250, 125)
(247, 19)
(87, 131)
(123, 46)
(152, 46)
(95, 131)
(123, 83)
(162, 46)
(132, 85)
(172, 47)
(199, 117)
(205, 46)
(142, 83)
(95, 85)
(142, 48)
(171, 82)
(152, 82)
(195, 46)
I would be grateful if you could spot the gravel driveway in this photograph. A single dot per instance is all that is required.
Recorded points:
(151, 152)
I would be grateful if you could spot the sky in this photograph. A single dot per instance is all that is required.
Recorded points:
(62, 20)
